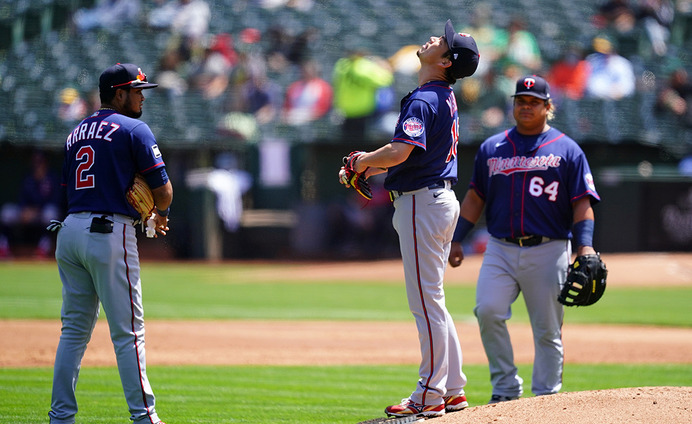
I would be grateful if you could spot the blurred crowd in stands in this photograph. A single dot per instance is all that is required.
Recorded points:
(234, 71)
(257, 80)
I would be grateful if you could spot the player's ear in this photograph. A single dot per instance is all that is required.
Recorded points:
(120, 95)
(446, 62)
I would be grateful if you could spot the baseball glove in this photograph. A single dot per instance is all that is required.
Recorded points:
(350, 178)
(586, 281)
(140, 197)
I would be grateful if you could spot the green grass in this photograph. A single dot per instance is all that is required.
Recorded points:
(203, 291)
(279, 394)
(345, 394)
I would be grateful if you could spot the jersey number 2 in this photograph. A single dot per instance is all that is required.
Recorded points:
(536, 188)
(85, 158)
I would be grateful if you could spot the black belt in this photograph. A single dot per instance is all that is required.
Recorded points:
(526, 241)
(395, 194)
(114, 217)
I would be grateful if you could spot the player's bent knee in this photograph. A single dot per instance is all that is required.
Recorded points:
(490, 313)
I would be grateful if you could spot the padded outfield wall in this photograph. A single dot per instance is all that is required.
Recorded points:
(647, 204)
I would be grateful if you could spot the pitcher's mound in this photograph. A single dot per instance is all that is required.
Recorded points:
(638, 405)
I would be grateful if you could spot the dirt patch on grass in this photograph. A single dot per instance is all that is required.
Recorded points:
(638, 405)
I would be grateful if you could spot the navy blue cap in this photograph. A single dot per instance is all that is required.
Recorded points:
(533, 85)
(124, 75)
(465, 55)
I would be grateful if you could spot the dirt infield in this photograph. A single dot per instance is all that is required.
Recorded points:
(334, 343)
(33, 343)
(638, 269)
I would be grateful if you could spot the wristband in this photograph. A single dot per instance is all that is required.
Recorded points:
(464, 226)
(582, 232)
(164, 212)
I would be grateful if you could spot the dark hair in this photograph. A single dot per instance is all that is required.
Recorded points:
(449, 76)
(106, 96)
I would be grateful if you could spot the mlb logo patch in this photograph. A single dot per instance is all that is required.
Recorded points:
(413, 127)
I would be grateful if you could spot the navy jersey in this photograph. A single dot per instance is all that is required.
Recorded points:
(428, 120)
(529, 183)
(102, 155)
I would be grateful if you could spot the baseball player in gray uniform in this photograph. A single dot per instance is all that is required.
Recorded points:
(421, 166)
(537, 190)
(96, 249)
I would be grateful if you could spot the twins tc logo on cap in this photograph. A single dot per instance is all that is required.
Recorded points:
(529, 83)
(533, 85)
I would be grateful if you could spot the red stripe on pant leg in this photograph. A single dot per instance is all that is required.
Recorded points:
(422, 299)
(132, 323)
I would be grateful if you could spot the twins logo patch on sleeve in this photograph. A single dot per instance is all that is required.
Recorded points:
(589, 182)
(413, 127)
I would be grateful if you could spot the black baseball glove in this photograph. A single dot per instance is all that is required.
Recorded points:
(586, 281)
